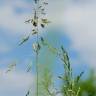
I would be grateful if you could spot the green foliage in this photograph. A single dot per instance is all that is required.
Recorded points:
(47, 82)
(70, 85)
(88, 86)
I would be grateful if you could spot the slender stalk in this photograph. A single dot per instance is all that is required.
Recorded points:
(37, 52)
(37, 73)
(36, 21)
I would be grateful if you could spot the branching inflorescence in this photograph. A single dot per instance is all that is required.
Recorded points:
(38, 20)
(70, 84)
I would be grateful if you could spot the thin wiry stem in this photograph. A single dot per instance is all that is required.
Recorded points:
(36, 21)
(37, 66)
(37, 73)
(37, 52)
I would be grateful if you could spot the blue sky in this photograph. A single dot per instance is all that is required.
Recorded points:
(73, 25)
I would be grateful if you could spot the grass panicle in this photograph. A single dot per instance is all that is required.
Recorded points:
(70, 85)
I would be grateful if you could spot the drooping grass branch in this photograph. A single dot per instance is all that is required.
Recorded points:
(70, 83)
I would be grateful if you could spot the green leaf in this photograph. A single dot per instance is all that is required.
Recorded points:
(42, 25)
(79, 76)
(36, 1)
(45, 21)
(27, 94)
(35, 24)
(60, 77)
(34, 32)
(36, 47)
(24, 40)
(40, 7)
(63, 50)
(28, 21)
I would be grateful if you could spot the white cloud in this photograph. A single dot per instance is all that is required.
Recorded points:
(12, 21)
(55, 11)
(79, 21)
(15, 83)
(80, 25)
